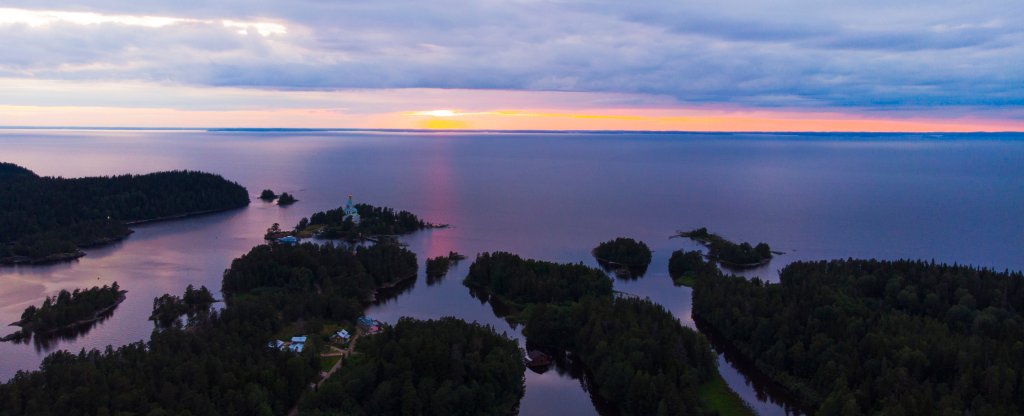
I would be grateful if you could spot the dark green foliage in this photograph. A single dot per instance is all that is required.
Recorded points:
(10, 171)
(879, 337)
(373, 221)
(68, 308)
(46, 218)
(220, 367)
(687, 266)
(516, 280)
(168, 308)
(286, 199)
(268, 195)
(641, 361)
(435, 367)
(729, 253)
(308, 280)
(624, 251)
(438, 266)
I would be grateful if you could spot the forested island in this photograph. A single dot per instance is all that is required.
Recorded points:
(48, 219)
(373, 221)
(68, 309)
(685, 267)
(438, 266)
(878, 337)
(742, 255)
(435, 367)
(286, 199)
(639, 359)
(268, 195)
(167, 309)
(518, 281)
(624, 255)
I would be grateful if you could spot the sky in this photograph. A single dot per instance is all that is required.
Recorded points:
(698, 65)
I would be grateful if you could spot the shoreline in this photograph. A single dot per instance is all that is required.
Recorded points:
(26, 328)
(79, 253)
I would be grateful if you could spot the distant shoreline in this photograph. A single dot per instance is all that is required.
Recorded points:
(385, 130)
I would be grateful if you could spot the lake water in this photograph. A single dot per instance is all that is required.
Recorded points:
(954, 198)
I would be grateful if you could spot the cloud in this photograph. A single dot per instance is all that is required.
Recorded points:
(790, 53)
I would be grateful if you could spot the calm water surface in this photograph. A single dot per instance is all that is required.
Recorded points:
(547, 196)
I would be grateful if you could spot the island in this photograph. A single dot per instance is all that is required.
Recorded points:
(286, 199)
(68, 310)
(685, 267)
(268, 195)
(438, 266)
(432, 367)
(639, 360)
(626, 256)
(877, 337)
(167, 309)
(50, 219)
(359, 222)
(738, 256)
(520, 282)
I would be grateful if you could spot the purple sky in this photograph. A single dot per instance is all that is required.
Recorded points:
(875, 59)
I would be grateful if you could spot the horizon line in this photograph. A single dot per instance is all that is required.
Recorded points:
(538, 131)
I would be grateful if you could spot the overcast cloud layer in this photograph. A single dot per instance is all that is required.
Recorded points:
(913, 54)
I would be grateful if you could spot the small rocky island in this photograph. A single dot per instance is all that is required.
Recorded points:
(67, 310)
(50, 219)
(737, 256)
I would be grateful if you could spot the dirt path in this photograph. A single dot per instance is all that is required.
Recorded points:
(336, 353)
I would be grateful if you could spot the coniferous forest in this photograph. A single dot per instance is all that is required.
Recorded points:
(641, 361)
(435, 367)
(219, 363)
(525, 281)
(373, 221)
(49, 219)
(879, 337)
(69, 308)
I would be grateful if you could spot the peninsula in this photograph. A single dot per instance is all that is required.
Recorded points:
(50, 219)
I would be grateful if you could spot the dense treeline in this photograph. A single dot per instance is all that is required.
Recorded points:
(624, 251)
(436, 367)
(438, 266)
(286, 199)
(167, 309)
(685, 267)
(879, 337)
(728, 252)
(221, 367)
(47, 218)
(311, 280)
(268, 195)
(373, 221)
(69, 308)
(514, 279)
(641, 361)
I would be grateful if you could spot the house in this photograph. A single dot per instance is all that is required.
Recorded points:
(343, 335)
(296, 347)
(278, 344)
(299, 340)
